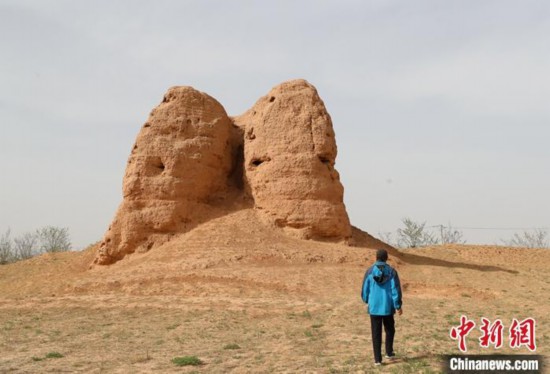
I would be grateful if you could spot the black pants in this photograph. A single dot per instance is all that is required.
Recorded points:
(376, 329)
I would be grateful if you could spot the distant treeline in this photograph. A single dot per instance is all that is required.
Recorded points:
(414, 234)
(46, 239)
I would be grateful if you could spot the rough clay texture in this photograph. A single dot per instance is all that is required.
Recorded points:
(178, 165)
(188, 159)
(289, 156)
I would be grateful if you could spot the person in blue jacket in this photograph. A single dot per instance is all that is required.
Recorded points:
(382, 292)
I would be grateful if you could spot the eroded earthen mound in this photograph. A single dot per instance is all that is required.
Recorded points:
(289, 157)
(180, 161)
(189, 156)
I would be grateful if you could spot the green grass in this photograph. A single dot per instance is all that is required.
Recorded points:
(48, 355)
(54, 355)
(232, 346)
(186, 361)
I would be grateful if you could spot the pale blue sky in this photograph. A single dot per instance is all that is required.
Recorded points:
(441, 108)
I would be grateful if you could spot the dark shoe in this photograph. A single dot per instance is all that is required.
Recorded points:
(390, 356)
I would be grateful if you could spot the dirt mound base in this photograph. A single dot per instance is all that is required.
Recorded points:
(190, 159)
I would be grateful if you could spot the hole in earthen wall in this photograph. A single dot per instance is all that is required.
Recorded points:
(257, 161)
(272, 99)
(157, 164)
(325, 160)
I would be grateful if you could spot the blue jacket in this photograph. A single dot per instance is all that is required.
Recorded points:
(381, 289)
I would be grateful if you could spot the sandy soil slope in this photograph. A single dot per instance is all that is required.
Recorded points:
(283, 304)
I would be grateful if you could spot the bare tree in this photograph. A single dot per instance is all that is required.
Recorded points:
(26, 246)
(387, 237)
(536, 239)
(449, 235)
(414, 235)
(54, 239)
(6, 253)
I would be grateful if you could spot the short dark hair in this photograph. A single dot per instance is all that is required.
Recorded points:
(382, 255)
